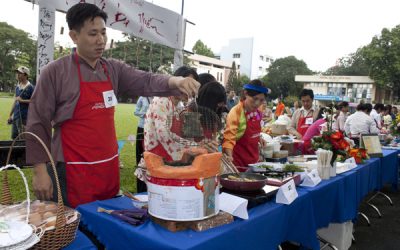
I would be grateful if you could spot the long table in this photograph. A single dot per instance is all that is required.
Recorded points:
(332, 201)
(81, 242)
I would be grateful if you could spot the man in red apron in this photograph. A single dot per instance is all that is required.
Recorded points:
(76, 96)
(305, 116)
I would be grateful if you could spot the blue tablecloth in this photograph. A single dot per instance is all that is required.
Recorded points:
(367, 178)
(389, 168)
(334, 200)
(81, 242)
(268, 225)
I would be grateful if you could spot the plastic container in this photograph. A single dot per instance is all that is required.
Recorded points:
(142, 200)
(268, 153)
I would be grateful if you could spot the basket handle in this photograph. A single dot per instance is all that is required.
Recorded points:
(6, 197)
(28, 199)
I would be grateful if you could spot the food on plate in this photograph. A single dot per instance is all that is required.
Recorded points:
(292, 168)
(266, 167)
(236, 178)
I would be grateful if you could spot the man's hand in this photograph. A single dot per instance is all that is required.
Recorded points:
(186, 85)
(41, 182)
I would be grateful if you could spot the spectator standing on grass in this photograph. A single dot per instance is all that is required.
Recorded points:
(19, 109)
(142, 105)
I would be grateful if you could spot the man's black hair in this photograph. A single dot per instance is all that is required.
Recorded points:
(343, 104)
(307, 92)
(368, 107)
(79, 13)
(206, 78)
(186, 71)
(379, 107)
(361, 107)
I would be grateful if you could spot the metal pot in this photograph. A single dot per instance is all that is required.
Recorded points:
(258, 182)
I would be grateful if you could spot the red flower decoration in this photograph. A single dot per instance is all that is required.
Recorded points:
(337, 135)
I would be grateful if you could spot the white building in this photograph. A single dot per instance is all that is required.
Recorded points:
(218, 68)
(343, 88)
(248, 55)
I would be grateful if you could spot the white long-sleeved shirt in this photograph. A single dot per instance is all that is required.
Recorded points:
(360, 123)
(377, 118)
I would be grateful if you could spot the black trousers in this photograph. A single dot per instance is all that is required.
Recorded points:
(140, 185)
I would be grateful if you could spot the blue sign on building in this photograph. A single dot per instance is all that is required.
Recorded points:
(327, 98)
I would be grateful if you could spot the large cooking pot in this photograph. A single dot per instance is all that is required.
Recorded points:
(258, 182)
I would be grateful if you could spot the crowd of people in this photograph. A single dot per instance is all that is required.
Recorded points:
(73, 105)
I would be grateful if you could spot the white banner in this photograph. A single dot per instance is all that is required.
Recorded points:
(45, 49)
(136, 17)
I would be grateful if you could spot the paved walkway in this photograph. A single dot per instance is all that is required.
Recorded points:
(384, 233)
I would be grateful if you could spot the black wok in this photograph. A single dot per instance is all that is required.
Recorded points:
(258, 182)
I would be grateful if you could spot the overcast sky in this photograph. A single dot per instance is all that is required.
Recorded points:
(316, 31)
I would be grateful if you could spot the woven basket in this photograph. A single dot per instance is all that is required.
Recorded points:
(63, 233)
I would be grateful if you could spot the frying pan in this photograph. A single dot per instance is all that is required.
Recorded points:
(258, 183)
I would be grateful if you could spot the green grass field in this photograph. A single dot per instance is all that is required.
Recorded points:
(125, 123)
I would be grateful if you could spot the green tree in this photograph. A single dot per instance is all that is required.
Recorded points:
(382, 56)
(60, 51)
(233, 82)
(202, 49)
(244, 79)
(143, 54)
(351, 65)
(281, 74)
(16, 48)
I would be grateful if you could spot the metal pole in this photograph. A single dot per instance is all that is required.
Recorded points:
(178, 55)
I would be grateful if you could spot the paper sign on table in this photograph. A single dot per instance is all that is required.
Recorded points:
(287, 193)
(311, 179)
(234, 205)
(352, 161)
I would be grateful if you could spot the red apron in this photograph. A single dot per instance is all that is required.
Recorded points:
(90, 145)
(246, 149)
(301, 124)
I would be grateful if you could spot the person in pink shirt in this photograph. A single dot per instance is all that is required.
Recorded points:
(313, 130)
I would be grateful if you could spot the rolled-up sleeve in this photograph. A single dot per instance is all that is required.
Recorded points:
(134, 82)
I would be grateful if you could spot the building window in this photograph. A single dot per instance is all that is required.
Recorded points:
(260, 68)
(261, 58)
(217, 76)
(236, 55)
(238, 67)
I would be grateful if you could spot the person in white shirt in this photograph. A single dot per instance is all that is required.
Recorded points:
(360, 123)
(376, 114)
(341, 119)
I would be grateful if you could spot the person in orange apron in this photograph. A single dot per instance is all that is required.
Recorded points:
(72, 110)
(304, 117)
(243, 126)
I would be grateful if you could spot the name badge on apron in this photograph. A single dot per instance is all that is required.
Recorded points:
(309, 121)
(110, 100)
